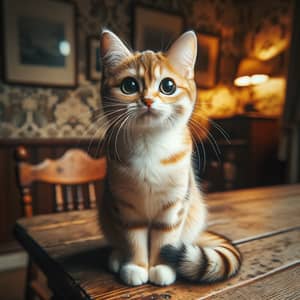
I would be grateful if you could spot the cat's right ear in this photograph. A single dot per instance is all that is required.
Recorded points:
(112, 49)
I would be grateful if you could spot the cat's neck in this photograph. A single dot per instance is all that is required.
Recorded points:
(161, 136)
(148, 142)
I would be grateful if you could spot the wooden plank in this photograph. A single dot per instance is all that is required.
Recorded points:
(242, 221)
(280, 285)
(256, 193)
(234, 220)
(85, 262)
(72, 243)
(270, 195)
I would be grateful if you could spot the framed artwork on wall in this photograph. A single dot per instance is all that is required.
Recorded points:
(207, 60)
(39, 43)
(93, 58)
(154, 29)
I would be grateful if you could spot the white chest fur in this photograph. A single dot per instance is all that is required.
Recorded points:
(143, 179)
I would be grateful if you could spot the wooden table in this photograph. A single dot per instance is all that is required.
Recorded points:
(263, 222)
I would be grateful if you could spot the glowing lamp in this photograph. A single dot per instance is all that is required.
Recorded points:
(252, 71)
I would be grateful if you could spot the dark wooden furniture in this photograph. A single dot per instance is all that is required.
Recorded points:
(291, 112)
(263, 222)
(68, 174)
(248, 158)
(73, 176)
(39, 149)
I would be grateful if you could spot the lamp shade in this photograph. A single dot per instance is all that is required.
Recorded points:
(252, 71)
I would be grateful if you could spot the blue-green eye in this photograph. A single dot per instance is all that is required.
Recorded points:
(129, 85)
(167, 86)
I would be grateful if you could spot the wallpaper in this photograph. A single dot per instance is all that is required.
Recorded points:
(33, 112)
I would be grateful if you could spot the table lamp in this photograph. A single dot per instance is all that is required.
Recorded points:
(252, 71)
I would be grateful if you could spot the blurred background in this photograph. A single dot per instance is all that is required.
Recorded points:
(247, 73)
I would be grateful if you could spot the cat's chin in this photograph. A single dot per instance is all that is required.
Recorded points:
(150, 116)
(149, 121)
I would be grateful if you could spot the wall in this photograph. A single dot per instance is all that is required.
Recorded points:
(264, 32)
(32, 112)
(258, 28)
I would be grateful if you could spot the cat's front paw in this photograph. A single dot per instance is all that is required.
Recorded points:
(133, 274)
(162, 275)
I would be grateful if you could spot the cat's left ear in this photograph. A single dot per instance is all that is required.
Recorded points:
(112, 49)
(182, 54)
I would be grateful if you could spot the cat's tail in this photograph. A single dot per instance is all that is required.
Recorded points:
(213, 259)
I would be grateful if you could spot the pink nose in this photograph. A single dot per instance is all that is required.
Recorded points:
(148, 102)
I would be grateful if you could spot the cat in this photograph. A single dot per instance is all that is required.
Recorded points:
(152, 212)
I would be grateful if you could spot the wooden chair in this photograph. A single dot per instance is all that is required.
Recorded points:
(68, 175)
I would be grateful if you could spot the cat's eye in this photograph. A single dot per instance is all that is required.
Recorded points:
(129, 85)
(167, 86)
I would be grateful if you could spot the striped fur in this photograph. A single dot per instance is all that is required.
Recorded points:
(213, 259)
(153, 213)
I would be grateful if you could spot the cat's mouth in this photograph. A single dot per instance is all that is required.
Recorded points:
(149, 113)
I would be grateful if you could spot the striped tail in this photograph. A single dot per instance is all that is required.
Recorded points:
(213, 259)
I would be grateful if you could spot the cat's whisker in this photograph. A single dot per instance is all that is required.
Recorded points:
(102, 122)
(222, 131)
(209, 136)
(117, 134)
(198, 153)
(103, 128)
(111, 132)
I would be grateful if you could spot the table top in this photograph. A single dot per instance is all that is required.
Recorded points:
(263, 222)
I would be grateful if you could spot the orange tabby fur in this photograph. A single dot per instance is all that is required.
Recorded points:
(153, 213)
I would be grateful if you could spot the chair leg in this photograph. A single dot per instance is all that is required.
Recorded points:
(31, 274)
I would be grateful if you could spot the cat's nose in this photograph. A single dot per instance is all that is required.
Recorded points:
(148, 102)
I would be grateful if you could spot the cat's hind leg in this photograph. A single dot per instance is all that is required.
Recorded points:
(115, 261)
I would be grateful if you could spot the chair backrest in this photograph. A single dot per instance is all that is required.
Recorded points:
(71, 171)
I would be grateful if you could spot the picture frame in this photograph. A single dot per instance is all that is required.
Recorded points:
(93, 59)
(155, 29)
(39, 39)
(207, 60)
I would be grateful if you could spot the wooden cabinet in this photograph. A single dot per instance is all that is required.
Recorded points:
(247, 159)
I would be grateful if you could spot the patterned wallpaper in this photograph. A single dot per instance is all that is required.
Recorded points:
(55, 112)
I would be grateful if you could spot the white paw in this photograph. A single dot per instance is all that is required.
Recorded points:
(114, 261)
(162, 275)
(132, 274)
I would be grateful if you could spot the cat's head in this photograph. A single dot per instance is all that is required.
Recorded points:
(148, 90)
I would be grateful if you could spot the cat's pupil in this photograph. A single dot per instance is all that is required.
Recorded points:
(129, 85)
(167, 86)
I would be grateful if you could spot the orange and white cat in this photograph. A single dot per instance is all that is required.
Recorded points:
(153, 213)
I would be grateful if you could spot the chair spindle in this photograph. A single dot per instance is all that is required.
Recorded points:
(92, 195)
(80, 201)
(59, 198)
(70, 200)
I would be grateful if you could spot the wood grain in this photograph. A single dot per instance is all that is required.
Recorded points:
(280, 285)
(85, 262)
(229, 217)
(74, 167)
(265, 227)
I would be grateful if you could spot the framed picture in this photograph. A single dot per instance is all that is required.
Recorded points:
(39, 43)
(154, 29)
(207, 60)
(93, 58)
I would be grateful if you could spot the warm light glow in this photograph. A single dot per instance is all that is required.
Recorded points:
(251, 80)
(242, 81)
(259, 78)
(64, 48)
